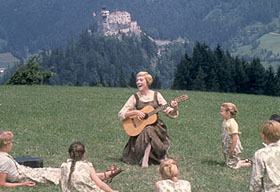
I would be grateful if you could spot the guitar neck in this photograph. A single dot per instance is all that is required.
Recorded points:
(162, 107)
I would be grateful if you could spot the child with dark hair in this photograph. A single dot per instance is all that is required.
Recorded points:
(266, 161)
(275, 117)
(79, 175)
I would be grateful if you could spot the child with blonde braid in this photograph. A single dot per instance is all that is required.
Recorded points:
(231, 144)
(169, 173)
(78, 175)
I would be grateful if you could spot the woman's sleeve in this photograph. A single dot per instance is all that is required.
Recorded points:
(168, 111)
(129, 105)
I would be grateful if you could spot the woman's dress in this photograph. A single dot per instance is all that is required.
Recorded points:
(155, 134)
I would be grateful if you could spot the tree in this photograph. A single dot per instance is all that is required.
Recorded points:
(240, 76)
(271, 82)
(182, 78)
(101, 82)
(122, 80)
(224, 70)
(256, 77)
(199, 82)
(278, 81)
(29, 74)
(132, 81)
(156, 83)
(212, 83)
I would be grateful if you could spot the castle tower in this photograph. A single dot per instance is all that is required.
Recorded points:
(117, 23)
(104, 14)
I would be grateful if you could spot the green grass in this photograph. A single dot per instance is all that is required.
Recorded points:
(46, 120)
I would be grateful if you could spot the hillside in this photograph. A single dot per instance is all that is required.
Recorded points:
(38, 24)
(247, 29)
(94, 59)
(47, 119)
(265, 47)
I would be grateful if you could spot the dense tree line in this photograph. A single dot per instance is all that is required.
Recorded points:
(217, 70)
(94, 59)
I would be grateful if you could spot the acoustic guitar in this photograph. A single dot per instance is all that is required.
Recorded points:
(133, 125)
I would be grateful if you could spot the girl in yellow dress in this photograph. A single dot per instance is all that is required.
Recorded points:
(231, 144)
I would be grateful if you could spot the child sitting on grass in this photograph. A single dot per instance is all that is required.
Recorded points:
(79, 175)
(231, 144)
(13, 174)
(169, 173)
(266, 161)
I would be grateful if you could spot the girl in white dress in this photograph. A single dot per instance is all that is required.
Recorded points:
(78, 175)
(169, 172)
(231, 144)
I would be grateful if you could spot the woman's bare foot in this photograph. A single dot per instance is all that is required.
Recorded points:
(144, 164)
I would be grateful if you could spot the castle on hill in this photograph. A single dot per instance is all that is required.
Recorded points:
(117, 23)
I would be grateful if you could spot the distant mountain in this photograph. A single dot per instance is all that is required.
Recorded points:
(29, 25)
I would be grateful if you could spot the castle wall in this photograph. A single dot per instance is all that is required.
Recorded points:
(118, 22)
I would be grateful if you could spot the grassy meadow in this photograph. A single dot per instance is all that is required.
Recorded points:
(47, 119)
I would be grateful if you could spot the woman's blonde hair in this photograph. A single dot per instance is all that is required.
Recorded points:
(271, 130)
(169, 170)
(231, 108)
(146, 75)
(6, 137)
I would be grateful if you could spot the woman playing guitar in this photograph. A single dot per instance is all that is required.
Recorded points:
(149, 146)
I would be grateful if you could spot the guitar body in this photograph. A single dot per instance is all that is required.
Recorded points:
(134, 126)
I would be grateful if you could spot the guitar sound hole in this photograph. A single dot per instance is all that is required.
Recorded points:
(146, 116)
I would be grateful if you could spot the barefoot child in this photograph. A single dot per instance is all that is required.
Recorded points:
(231, 144)
(169, 173)
(266, 161)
